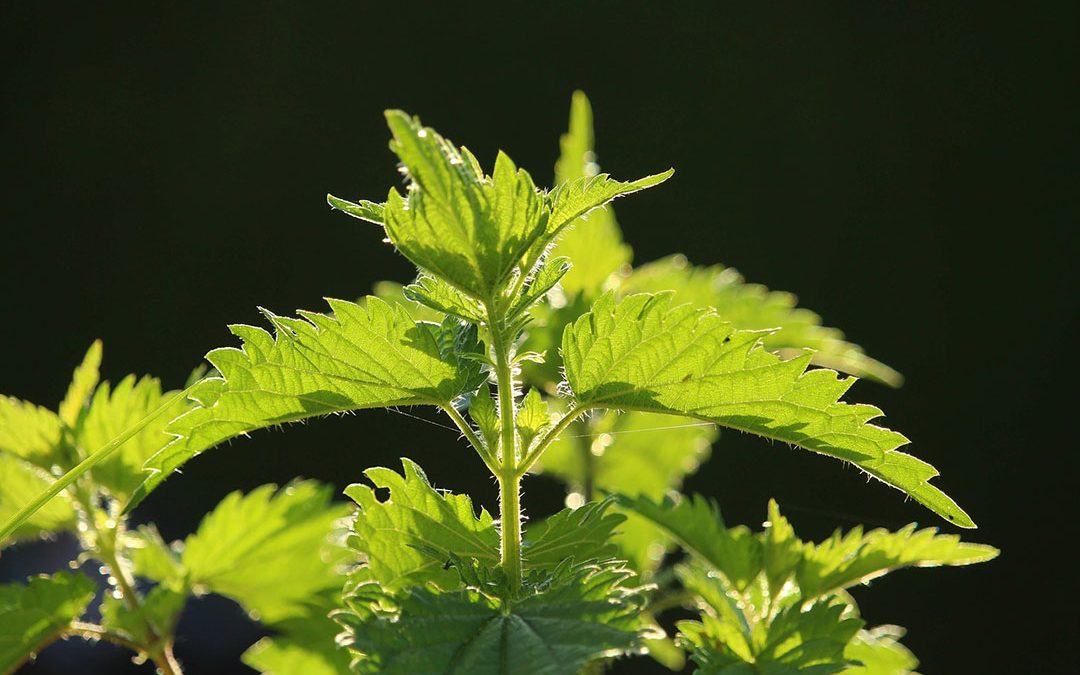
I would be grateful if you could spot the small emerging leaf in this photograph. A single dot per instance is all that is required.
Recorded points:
(532, 418)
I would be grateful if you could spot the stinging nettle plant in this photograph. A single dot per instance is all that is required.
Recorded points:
(528, 328)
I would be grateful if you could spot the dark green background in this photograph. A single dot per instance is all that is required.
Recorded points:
(909, 170)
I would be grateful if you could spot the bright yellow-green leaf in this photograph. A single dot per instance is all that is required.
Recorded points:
(643, 354)
(359, 357)
(269, 550)
(405, 540)
(754, 307)
(594, 244)
(82, 385)
(111, 412)
(34, 614)
(30, 432)
(20, 482)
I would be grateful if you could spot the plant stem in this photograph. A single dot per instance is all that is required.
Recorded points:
(510, 518)
(509, 478)
(486, 454)
(159, 646)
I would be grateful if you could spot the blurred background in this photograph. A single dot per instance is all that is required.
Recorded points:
(908, 170)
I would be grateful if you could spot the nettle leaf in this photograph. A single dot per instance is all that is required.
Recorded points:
(443, 299)
(358, 357)
(782, 550)
(754, 307)
(269, 550)
(550, 272)
(83, 381)
(471, 230)
(634, 454)
(393, 294)
(810, 642)
(30, 432)
(553, 628)
(305, 644)
(642, 354)
(406, 539)
(696, 524)
(485, 414)
(595, 243)
(878, 652)
(35, 614)
(532, 418)
(853, 558)
(21, 482)
(580, 534)
(110, 413)
(151, 557)
(160, 608)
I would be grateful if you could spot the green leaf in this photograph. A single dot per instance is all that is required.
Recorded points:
(532, 418)
(845, 560)
(880, 653)
(642, 354)
(393, 294)
(580, 534)
(471, 230)
(458, 224)
(443, 298)
(30, 432)
(484, 413)
(35, 614)
(269, 550)
(696, 524)
(810, 642)
(634, 454)
(20, 482)
(783, 551)
(754, 307)
(359, 357)
(111, 412)
(406, 539)
(160, 608)
(82, 385)
(362, 209)
(576, 199)
(151, 557)
(553, 629)
(550, 272)
(303, 645)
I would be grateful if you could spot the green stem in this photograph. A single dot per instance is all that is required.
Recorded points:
(82, 467)
(510, 529)
(159, 646)
(485, 452)
(509, 478)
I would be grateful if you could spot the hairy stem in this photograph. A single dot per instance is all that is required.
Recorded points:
(104, 547)
(510, 528)
(509, 478)
(486, 453)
